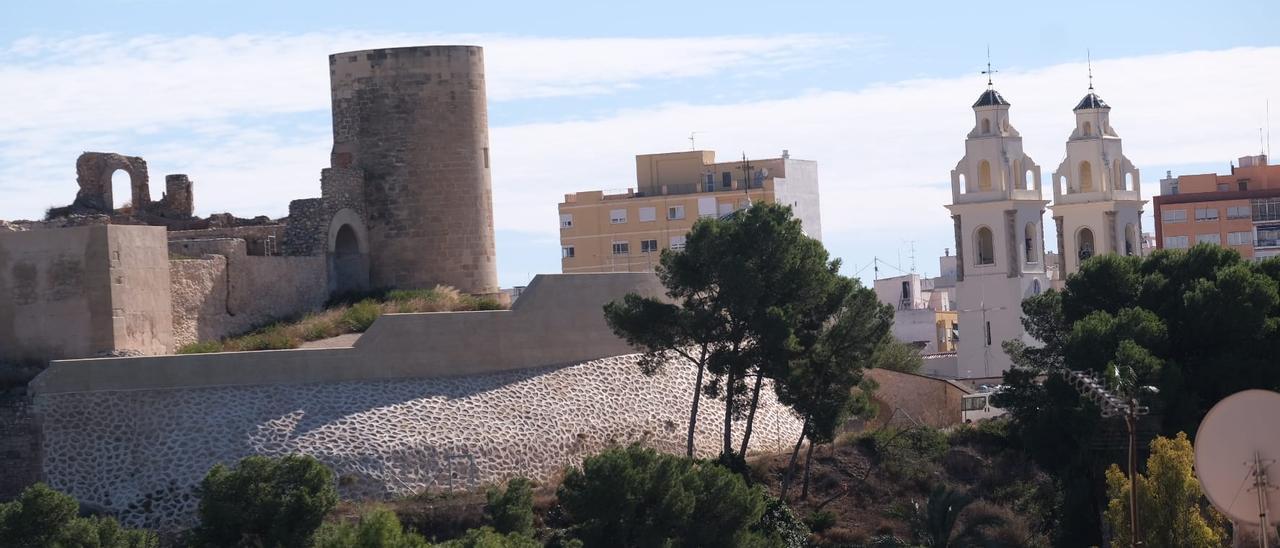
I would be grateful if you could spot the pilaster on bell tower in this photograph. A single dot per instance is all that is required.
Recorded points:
(997, 210)
(1097, 191)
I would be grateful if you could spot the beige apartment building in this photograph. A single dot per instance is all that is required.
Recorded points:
(626, 231)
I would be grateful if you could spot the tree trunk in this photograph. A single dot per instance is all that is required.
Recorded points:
(791, 466)
(808, 463)
(693, 415)
(751, 415)
(728, 413)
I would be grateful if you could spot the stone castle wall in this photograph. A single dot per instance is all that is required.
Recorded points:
(19, 443)
(139, 453)
(415, 122)
(226, 291)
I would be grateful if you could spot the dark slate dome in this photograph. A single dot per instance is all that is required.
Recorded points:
(989, 98)
(1091, 101)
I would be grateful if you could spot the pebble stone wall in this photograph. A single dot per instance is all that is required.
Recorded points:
(140, 453)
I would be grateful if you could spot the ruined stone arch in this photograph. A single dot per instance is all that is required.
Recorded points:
(93, 175)
(348, 253)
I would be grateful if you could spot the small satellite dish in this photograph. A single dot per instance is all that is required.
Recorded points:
(1238, 456)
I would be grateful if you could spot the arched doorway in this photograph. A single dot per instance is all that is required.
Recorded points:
(1130, 240)
(347, 263)
(348, 253)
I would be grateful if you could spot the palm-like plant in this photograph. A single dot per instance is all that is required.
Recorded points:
(934, 524)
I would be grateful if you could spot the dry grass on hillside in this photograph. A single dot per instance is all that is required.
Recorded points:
(346, 316)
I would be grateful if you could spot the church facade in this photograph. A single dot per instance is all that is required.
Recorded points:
(998, 209)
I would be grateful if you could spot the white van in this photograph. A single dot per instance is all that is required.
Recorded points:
(976, 407)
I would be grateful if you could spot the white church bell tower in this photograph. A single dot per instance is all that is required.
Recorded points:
(997, 208)
(1097, 194)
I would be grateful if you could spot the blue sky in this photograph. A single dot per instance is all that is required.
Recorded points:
(235, 95)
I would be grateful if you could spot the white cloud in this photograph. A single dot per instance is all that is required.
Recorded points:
(211, 107)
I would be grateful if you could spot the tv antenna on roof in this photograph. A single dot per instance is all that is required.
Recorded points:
(1237, 450)
(692, 139)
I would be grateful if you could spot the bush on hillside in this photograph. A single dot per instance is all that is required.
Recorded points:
(43, 517)
(486, 537)
(378, 528)
(638, 497)
(511, 510)
(265, 502)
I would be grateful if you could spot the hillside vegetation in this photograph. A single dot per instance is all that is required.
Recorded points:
(349, 314)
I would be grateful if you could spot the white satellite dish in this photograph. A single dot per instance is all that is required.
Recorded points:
(1238, 457)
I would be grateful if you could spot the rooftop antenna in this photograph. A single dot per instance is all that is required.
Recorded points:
(692, 139)
(989, 70)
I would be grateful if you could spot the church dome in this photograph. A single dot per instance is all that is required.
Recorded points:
(989, 98)
(1091, 101)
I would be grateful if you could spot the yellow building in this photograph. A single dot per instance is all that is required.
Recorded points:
(626, 231)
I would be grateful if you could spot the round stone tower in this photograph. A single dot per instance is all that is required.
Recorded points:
(414, 121)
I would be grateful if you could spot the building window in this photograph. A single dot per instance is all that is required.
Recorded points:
(986, 126)
(675, 212)
(1240, 238)
(621, 248)
(986, 247)
(1084, 244)
(726, 180)
(566, 220)
(1266, 209)
(1242, 184)
(1176, 242)
(1215, 239)
(1238, 212)
(566, 252)
(647, 214)
(677, 243)
(1174, 215)
(1268, 236)
(1206, 214)
(617, 216)
(1029, 245)
(648, 246)
(725, 208)
(1035, 286)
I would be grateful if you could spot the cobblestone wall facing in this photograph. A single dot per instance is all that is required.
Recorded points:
(139, 453)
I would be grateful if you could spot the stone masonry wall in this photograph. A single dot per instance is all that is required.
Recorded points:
(225, 291)
(19, 443)
(415, 122)
(139, 453)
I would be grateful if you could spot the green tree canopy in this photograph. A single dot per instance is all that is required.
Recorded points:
(265, 502)
(895, 355)
(1198, 325)
(42, 517)
(749, 292)
(637, 497)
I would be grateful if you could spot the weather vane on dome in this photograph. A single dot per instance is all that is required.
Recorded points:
(1089, 59)
(989, 70)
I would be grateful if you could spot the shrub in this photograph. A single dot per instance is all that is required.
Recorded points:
(780, 525)
(43, 517)
(821, 520)
(488, 303)
(360, 316)
(265, 502)
(378, 528)
(203, 347)
(511, 511)
(638, 497)
(486, 537)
